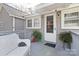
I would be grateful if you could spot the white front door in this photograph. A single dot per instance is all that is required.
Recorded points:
(50, 27)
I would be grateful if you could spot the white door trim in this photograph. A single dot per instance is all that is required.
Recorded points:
(13, 23)
(54, 29)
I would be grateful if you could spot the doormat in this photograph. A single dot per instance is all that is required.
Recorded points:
(50, 45)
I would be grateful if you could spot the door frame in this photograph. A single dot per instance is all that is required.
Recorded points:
(54, 23)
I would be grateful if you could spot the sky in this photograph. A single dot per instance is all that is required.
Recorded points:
(27, 3)
(32, 3)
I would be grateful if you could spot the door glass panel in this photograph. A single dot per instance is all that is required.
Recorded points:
(49, 24)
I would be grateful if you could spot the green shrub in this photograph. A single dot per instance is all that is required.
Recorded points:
(37, 35)
(66, 37)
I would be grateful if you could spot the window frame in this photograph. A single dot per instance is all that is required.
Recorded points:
(66, 11)
(27, 23)
(32, 18)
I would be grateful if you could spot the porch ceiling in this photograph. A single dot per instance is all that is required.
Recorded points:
(52, 7)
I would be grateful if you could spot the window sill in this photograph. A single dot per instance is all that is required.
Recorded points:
(75, 32)
(33, 27)
(74, 28)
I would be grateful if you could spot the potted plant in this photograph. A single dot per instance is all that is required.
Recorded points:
(36, 36)
(66, 38)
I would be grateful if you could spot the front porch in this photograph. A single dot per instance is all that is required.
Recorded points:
(39, 49)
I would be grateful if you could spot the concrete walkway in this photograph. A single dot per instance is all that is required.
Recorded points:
(39, 49)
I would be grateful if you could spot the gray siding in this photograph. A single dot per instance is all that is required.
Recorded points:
(5, 21)
(43, 27)
(19, 24)
(58, 25)
(6, 24)
(28, 33)
(20, 27)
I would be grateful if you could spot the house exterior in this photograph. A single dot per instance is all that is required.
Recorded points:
(53, 19)
(11, 20)
(49, 19)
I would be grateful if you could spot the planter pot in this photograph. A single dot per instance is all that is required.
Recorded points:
(33, 39)
(71, 51)
(65, 46)
(68, 50)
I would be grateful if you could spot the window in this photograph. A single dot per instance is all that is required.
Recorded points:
(29, 23)
(34, 23)
(37, 22)
(70, 19)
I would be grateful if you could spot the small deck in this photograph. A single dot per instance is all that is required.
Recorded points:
(39, 49)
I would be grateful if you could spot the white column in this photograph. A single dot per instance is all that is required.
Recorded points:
(13, 23)
(32, 22)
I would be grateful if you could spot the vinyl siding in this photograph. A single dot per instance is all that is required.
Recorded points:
(19, 24)
(5, 21)
(6, 24)
(20, 27)
(28, 33)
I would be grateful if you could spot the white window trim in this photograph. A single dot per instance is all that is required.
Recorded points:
(33, 23)
(62, 18)
(13, 23)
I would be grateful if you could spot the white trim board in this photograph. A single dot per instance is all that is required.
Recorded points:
(16, 16)
(13, 23)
